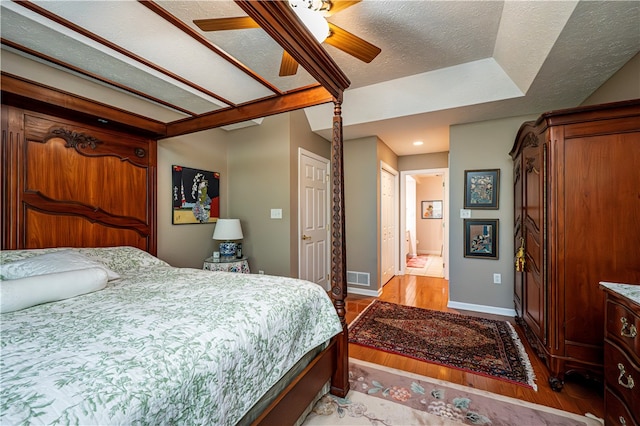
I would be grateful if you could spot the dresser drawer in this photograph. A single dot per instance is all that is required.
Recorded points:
(623, 327)
(622, 377)
(616, 414)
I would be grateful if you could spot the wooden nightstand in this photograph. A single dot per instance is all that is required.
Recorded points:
(227, 264)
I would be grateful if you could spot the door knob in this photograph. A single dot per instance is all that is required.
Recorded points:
(306, 237)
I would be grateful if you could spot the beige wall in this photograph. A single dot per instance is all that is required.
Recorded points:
(263, 175)
(436, 160)
(486, 145)
(258, 167)
(385, 154)
(362, 162)
(483, 145)
(259, 180)
(301, 137)
(428, 231)
(360, 205)
(623, 85)
(188, 245)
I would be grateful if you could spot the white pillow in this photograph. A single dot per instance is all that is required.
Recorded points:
(123, 259)
(59, 261)
(30, 291)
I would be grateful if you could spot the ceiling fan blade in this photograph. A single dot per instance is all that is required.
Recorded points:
(222, 24)
(352, 44)
(288, 65)
(338, 5)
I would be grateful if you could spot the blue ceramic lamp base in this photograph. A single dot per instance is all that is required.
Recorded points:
(228, 249)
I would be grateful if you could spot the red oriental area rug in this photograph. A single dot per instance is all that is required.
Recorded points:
(481, 346)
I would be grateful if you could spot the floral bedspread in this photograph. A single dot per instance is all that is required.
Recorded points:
(161, 345)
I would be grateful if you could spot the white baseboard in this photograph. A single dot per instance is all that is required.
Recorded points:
(364, 292)
(482, 308)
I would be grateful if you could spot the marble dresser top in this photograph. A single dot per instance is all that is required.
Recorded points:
(630, 291)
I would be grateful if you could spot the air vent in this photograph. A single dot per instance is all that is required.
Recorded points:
(358, 278)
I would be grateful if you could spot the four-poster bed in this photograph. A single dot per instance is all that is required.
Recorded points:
(57, 162)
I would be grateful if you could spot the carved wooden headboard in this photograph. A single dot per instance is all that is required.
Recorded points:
(69, 184)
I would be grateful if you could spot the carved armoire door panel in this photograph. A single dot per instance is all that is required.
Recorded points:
(518, 233)
(533, 211)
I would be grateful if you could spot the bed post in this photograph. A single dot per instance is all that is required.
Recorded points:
(340, 378)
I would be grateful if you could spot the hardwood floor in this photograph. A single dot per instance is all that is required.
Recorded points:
(577, 396)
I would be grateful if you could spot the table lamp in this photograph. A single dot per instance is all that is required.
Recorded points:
(227, 230)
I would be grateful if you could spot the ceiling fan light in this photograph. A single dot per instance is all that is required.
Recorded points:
(315, 5)
(314, 21)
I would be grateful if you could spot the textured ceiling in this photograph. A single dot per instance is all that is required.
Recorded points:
(442, 62)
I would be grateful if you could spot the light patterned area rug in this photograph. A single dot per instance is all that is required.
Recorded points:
(417, 262)
(385, 396)
(478, 345)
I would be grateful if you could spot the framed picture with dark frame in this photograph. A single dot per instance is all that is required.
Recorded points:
(481, 238)
(432, 209)
(481, 189)
(195, 194)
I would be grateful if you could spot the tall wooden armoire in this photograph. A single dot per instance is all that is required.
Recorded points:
(577, 217)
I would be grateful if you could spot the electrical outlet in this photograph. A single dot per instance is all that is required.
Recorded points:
(261, 272)
(497, 278)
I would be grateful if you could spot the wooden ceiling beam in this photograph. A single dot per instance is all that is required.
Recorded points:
(289, 101)
(113, 46)
(281, 23)
(94, 76)
(28, 94)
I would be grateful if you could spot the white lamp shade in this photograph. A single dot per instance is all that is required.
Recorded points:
(228, 229)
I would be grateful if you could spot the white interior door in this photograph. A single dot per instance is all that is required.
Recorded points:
(313, 214)
(388, 234)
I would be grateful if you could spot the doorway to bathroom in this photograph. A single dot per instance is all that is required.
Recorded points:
(424, 222)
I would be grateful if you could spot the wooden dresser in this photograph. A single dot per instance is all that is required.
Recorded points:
(622, 354)
(577, 221)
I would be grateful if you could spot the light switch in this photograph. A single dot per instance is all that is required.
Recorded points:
(276, 213)
(465, 213)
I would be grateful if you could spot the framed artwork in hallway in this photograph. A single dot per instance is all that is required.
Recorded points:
(481, 238)
(481, 189)
(432, 209)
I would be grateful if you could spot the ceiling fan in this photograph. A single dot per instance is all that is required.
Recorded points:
(312, 13)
